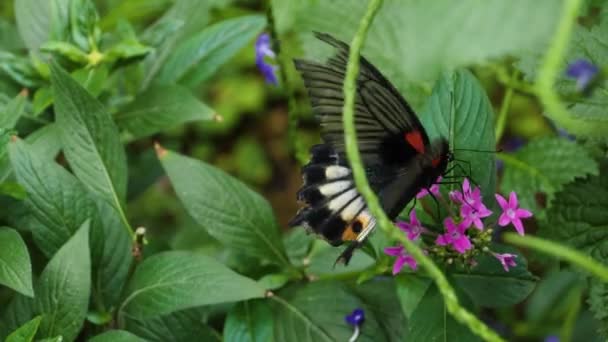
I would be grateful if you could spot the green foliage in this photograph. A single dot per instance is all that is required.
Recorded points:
(243, 221)
(88, 87)
(15, 265)
(171, 281)
(545, 165)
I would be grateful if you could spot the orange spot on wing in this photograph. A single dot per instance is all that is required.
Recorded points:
(349, 234)
(414, 138)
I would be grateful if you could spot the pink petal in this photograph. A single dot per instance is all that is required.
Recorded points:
(523, 213)
(478, 224)
(410, 261)
(504, 220)
(442, 240)
(404, 226)
(422, 193)
(462, 244)
(513, 200)
(502, 202)
(435, 190)
(466, 187)
(398, 265)
(412, 235)
(455, 196)
(393, 251)
(413, 219)
(519, 227)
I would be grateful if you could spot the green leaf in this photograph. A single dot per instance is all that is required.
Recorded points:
(380, 297)
(117, 336)
(578, 218)
(431, 322)
(544, 165)
(55, 198)
(13, 189)
(171, 281)
(10, 114)
(323, 261)
(232, 213)
(548, 302)
(297, 244)
(15, 265)
(198, 57)
(185, 325)
(249, 321)
(460, 111)
(84, 23)
(26, 332)
(411, 289)
(45, 142)
(160, 108)
(90, 139)
(488, 285)
(419, 51)
(316, 311)
(33, 21)
(60, 204)
(67, 50)
(62, 292)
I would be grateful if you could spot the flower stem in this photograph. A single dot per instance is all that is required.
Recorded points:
(504, 111)
(561, 252)
(551, 68)
(350, 139)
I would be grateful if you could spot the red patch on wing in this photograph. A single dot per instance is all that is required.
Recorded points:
(414, 138)
(435, 162)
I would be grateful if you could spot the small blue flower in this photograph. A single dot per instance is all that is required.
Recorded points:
(355, 318)
(583, 71)
(262, 50)
(552, 338)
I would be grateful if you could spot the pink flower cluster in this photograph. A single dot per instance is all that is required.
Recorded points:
(457, 235)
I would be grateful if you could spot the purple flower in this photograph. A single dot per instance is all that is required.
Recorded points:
(511, 212)
(402, 258)
(455, 236)
(507, 260)
(434, 189)
(552, 338)
(414, 228)
(471, 215)
(263, 49)
(583, 72)
(355, 318)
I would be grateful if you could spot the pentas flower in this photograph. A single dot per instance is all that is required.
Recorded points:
(512, 214)
(402, 258)
(263, 49)
(434, 189)
(414, 228)
(506, 260)
(454, 236)
(473, 215)
(583, 71)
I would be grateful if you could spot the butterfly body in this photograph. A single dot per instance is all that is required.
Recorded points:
(398, 157)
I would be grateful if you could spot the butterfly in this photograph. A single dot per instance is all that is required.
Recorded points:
(398, 157)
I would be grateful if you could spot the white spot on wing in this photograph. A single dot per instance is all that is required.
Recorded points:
(352, 209)
(334, 187)
(336, 171)
(340, 201)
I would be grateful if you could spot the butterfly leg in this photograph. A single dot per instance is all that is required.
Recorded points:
(345, 256)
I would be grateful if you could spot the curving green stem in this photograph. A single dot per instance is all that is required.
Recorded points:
(552, 67)
(560, 251)
(352, 152)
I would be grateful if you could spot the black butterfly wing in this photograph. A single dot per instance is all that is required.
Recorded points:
(389, 136)
(382, 116)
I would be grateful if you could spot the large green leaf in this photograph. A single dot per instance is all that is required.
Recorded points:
(62, 292)
(316, 311)
(489, 285)
(249, 321)
(198, 57)
(409, 49)
(230, 211)
(45, 141)
(33, 21)
(460, 111)
(90, 139)
(171, 281)
(411, 289)
(59, 204)
(117, 336)
(160, 108)
(15, 265)
(10, 114)
(544, 165)
(185, 325)
(26, 332)
(578, 217)
(431, 322)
